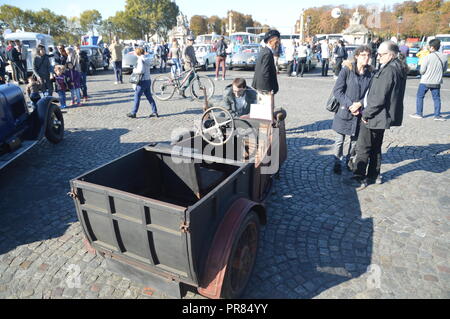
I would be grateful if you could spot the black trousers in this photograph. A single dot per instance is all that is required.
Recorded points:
(301, 66)
(338, 66)
(325, 66)
(368, 152)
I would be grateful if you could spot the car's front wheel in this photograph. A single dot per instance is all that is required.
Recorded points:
(54, 131)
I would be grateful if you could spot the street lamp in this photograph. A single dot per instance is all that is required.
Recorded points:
(399, 21)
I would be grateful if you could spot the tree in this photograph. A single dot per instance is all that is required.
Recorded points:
(89, 20)
(46, 21)
(199, 24)
(150, 17)
(16, 18)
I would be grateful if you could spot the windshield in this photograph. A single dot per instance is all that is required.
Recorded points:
(128, 50)
(201, 50)
(444, 38)
(30, 43)
(88, 51)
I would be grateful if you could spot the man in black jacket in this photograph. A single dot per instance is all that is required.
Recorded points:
(238, 97)
(383, 108)
(265, 79)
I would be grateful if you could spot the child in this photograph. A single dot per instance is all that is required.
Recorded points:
(61, 84)
(74, 81)
(33, 89)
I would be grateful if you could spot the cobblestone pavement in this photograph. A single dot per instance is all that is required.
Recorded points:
(322, 240)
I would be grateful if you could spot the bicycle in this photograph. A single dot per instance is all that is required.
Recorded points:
(164, 86)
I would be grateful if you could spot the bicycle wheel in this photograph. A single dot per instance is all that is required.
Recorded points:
(163, 87)
(197, 88)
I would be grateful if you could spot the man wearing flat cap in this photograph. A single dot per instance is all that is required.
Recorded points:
(265, 79)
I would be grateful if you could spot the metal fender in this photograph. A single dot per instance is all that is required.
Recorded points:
(219, 253)
(42, 108)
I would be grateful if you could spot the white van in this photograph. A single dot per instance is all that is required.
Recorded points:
(30, 40)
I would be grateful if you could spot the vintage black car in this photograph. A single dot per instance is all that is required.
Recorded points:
(187, 213)
(23, 125)
(96, 58)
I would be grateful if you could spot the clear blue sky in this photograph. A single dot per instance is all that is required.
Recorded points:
(279, 13)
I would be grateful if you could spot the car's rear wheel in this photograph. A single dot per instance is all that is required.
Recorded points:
(54, 131)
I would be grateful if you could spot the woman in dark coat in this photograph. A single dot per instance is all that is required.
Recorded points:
(350, 90)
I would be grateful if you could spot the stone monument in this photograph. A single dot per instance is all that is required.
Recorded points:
(181, 31)
(356, 33)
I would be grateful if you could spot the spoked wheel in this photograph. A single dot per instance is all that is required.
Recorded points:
(242, 258)
(217, 126)
(55, 125)
(163, 87)
(199, 84)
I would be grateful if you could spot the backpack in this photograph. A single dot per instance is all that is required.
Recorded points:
(221, 49)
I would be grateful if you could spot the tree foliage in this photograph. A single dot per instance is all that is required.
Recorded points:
(89, 20)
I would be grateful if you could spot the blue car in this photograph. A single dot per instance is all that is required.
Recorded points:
(413, 61)
(23, 125)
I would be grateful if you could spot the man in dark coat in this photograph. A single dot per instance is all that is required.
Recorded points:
(43, 70)
(383, 110)
(265, 79)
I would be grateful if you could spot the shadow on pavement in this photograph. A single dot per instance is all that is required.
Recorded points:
(34, 205)
(316, 237)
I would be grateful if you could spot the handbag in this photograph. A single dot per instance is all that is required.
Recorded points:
(332, 104)
(135, 78)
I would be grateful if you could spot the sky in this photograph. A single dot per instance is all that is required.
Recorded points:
(281, 14)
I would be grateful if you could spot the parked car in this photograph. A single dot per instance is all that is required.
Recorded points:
(96, 59)
(311, 62)
(23, 125)
(245, 58)
(413, 61)
(447, 72)
(205, 55)
(129, 59)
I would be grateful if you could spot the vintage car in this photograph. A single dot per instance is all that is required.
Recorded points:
(129, 59)
(205, 55)
(96, 58)
(188, 213)
(23, 125)
(413, 61)
(311, 62)
(245, 58)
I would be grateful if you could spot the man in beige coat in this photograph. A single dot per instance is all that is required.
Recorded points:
(116, 56)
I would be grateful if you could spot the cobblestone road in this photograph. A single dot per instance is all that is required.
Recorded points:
(323, 239)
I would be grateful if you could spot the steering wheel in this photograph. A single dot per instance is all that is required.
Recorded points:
(217, 129)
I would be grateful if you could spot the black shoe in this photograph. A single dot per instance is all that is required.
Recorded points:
(337, 169)
(182, 94)
(154, 115)
(131, 115)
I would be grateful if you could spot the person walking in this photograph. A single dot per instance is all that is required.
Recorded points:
(84, 69)
(175, 56)
(190, 61)
(303, 52)
(144, 86)
(350, 90)
(340, 54)
(265, 79)
(326, 54)
(221, 57)
(43, 70)
(290, 57)
(116, 57)
(432, 70)
(13, 57)
(383, 109)
(23, 50)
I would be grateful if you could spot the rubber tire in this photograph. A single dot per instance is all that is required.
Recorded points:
(50, 134)
(154, 92)
(227, 290)
(91, 69)
(200, 96)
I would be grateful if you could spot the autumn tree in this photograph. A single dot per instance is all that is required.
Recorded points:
(215, 24)
(199, 24)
